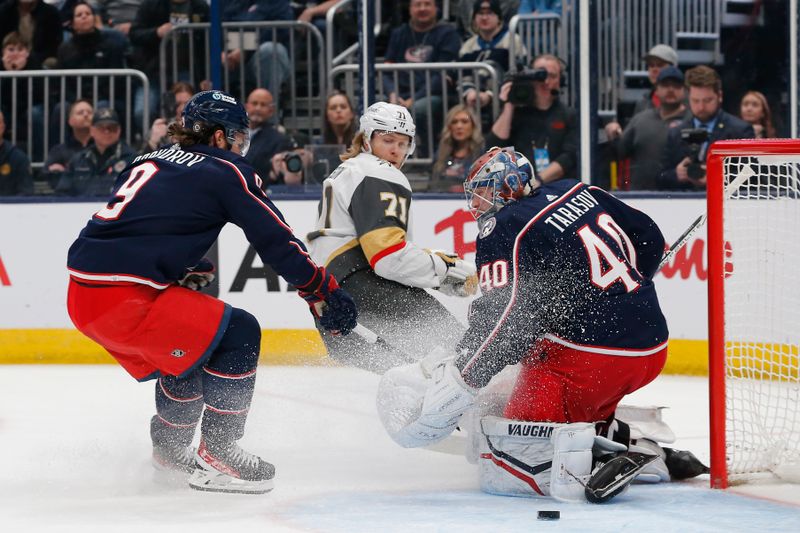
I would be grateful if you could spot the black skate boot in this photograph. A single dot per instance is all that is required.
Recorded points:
(683, 464)
(225, 467)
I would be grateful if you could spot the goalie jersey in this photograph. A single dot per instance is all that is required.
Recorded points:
(167, 209)
(571, 264)
(365, 222)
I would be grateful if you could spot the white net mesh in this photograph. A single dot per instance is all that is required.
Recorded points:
(762, 316)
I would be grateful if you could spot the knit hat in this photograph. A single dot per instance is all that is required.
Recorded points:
(494, 5)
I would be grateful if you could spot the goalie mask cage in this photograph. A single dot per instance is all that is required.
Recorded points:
(754, 310)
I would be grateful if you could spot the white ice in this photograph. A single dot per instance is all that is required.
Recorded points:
(75, 447)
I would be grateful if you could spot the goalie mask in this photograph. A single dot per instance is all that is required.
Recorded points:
(216, 109)
(498, 177)
(385, 117)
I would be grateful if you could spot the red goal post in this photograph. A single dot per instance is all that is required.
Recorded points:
(753, 197)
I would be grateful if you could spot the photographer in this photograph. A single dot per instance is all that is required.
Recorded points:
(536, 123)
(265, 139)
(684, 157)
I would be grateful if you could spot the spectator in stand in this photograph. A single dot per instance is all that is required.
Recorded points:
(37, 23)
(154, 19)
(344, 20)
(265, 140)
(172, 104)
(754, 109)
(93, 170)
(490, 44)
(659, 57)
(16, 57)
(117, 14)
(684, 164)
(269, 67)
(541, 128)
(80, 123)
(315, 13)
(424, 39)
(340, 120)
(461, 10)
(645, 136)
(15, 167)
(90, 48)
(461, 144)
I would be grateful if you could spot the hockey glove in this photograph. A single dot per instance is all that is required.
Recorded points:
(199, 275)
(332, 306)
(456, 276)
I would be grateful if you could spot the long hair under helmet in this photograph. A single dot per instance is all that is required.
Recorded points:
(498, 177)
(382, 116)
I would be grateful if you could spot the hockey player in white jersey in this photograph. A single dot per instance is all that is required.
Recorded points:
(363, 236)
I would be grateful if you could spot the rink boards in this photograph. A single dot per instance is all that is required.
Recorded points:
(34, 326)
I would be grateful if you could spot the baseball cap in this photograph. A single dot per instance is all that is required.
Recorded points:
(493, 5)
(670, 73)
(105, 115)
(664, 53)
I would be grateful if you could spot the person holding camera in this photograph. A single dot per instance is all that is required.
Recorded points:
(490, 44)
(536, 123)
(684, 156)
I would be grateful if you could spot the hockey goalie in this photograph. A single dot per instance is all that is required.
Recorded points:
(569, 309)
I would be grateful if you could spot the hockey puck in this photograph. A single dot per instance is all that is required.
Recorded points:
(548, 515)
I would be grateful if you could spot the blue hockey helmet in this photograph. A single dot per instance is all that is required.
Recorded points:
(217, 108)
(499, 176)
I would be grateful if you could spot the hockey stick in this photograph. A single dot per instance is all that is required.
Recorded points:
(746, 173)
(371, 337)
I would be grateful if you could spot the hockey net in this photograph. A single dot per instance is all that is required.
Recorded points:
(754, 310)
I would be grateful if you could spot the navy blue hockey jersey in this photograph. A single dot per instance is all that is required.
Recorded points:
(571, 264)
(167, 209)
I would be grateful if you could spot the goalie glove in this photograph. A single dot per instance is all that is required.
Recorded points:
(199, 275)
(419, 409)
(457, 277)
(332, 305)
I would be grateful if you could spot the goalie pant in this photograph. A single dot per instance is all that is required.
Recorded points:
(586, 334)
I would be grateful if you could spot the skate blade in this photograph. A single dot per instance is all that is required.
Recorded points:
(210, 482)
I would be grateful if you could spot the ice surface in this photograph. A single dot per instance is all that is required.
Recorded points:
(75, 448)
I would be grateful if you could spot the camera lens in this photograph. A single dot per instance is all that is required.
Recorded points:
(293, 162)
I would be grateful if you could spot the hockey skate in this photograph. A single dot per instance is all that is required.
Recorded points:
(611, 476)
(173, 458)
(228, 468)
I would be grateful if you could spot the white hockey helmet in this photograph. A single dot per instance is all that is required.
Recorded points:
(383, 116)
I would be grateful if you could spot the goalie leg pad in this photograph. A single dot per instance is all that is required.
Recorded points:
(535, 459)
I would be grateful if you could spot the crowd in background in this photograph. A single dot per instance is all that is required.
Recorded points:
(659, 146)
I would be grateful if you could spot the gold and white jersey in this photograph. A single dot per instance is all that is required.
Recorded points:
(365, 221)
